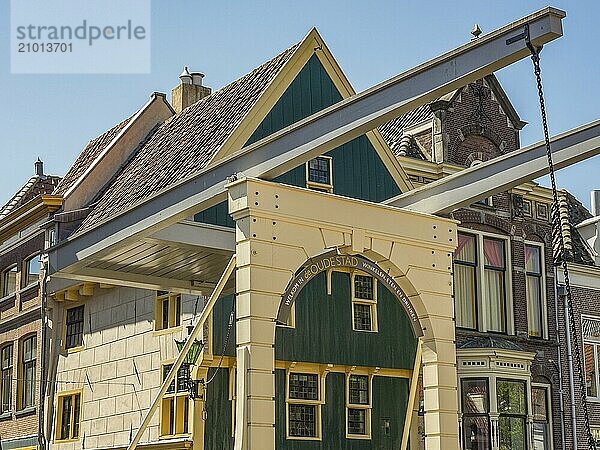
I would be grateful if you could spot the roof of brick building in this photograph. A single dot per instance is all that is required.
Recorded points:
(571, 212)
(36, 185)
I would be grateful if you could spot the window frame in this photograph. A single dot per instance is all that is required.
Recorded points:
(289, 401)
(174, 303)
(10, 371)
(25, 270)
(174, 397)
(595, 344)
(367, 407)
(542, 286)
(21, 384)
(318, 186)
(487, 380)
(5, 273)
(482, 302)
(527, 424)
(548, 391)
(371, 303)
(61, 396)
(64, 346)
(475, 266)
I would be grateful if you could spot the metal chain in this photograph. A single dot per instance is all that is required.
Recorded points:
(535, 57)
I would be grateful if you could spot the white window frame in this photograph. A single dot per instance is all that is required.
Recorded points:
(543, 298)
(548, 388)
(323, 187)
(482, 301)
(368, 407)
(362, 301)
(595, 343)
(318, 403)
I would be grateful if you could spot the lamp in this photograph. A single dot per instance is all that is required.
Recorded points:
(193, 353)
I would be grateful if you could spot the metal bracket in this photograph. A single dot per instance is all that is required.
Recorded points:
(525, 35)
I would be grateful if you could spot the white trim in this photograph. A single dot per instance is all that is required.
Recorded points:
(316, 403)
(368, 407)
(362, 301)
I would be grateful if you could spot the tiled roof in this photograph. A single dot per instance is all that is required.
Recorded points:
(571, 212)
(36, 185)
(87, 156)
(185, 143)
(393, 131)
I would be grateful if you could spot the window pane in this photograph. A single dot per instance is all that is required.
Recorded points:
(362, 317)
(303, 420)
(304, 386)
(74, 332)
(177, 310)
(493, 252)
(467, 249)
(476, 432)
(532, 259)
(534, 305)
(357, 421)
(166, 370)
(165, 313)
(494, 290)
(590, 370)
(318, 170)
(183, 378)
(10, 281)
(76, 409)
(33, 270)
(358, 389)
(6, 379)
(465, 296)
(363, 287)
(474, 396)
(28, 364)
(512, 433)
(511, 397)
(65, 429)
(538, 402)
(541, 438)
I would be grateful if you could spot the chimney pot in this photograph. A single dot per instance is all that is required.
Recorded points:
(39, 167)
(189, 91)
(185, 76)
(197, 78)
(595, 194)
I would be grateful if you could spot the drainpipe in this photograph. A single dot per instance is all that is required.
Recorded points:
(44, 318)
(570, 364)
(559, 364)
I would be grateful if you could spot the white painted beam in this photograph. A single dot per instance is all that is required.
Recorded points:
(502, 173)
(188, 234)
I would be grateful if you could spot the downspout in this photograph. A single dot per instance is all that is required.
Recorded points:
(559, 364)
(570, 364)
(44, 378)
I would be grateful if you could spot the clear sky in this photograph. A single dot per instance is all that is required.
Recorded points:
(54, 116)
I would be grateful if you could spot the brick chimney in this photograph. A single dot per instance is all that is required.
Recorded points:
(189, 90)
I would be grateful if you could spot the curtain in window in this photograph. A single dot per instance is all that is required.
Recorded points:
(465, 297)
(494, 292)
(534, 306)
(493, 251)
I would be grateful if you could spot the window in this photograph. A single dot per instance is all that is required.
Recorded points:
(513, 411)
(465, 281)
(9, 281)
(534, 286)
(27, 368)
(364, 302)
(304, 406)
(32, 270)
(541, 421)
(319, 174)
(475, 414)
(175, 403)
(480, 279)
(168, 310)
(527, 211)
(68, 416)
(591, 354)
(74, 328)
(6, 364)
(358, 409)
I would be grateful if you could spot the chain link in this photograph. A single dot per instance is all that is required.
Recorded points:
(535, 57)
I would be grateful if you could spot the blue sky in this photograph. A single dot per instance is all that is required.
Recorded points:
(54, 116)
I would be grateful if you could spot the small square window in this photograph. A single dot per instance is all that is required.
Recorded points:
(358, 390)
(362, 317)
(304, 386)
(74, 327)
(302, 420)
(363, 287)
(527, 208)
(319, 174)
(541, 211)
(168, 310)
(357, 421)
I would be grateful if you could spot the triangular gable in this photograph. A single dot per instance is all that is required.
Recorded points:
(311, 46)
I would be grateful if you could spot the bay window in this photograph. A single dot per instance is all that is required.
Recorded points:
(512, 407)
(475, 414)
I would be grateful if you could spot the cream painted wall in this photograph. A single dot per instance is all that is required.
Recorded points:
(119, 338)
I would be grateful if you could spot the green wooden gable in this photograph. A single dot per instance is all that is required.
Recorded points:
(358, 171)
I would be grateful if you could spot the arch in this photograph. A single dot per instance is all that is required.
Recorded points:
(332, 259)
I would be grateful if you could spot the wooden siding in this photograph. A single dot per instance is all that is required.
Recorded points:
(217, 429)
(323, 331)
(358, 171)
(390, 397)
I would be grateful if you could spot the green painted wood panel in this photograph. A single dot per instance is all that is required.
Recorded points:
(390, 397)
(221, 313)
(323, 331)
(358, 171)
(217, 429)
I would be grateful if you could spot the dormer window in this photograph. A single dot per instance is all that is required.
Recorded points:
(319, 174)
